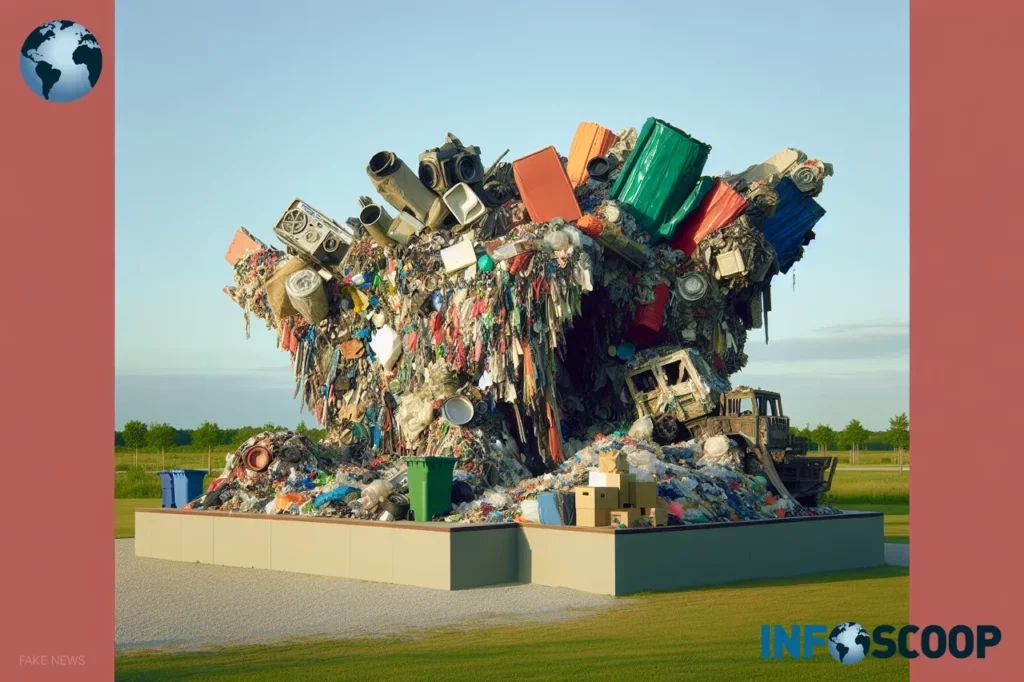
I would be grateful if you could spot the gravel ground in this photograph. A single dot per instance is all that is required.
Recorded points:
(171, 604)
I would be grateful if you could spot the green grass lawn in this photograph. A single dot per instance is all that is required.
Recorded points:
(124, 515)
(712, 635)
(869, 487)
(884, 491)
(867, 457)
(172, 459)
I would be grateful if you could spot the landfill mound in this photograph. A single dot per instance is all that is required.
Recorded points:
(287, 473)
(491, 315)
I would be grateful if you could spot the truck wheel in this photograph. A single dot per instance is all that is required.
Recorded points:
(666, 430)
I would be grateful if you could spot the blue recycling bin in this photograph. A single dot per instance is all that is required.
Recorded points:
(166, 489)
(188, 485)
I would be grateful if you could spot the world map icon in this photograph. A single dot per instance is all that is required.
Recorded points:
(61, 61)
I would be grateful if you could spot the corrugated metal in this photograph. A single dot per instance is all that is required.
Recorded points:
(590, 141)
(659, 176)
(544, 187)
(795, 216)
(720, 207)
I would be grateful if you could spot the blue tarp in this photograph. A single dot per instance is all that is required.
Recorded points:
(795, 215)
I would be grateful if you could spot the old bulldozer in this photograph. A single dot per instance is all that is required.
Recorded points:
(686, 399)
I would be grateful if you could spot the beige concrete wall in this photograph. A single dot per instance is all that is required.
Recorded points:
(567, 557)
(450, 558)
(379, 552)
(313, 548)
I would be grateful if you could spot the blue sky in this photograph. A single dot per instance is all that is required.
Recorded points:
(226, 111)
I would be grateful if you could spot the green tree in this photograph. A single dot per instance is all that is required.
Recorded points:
(899, 431)
(118, 438)
(824, 436)
(854, 434)
(271, 426)
(243, 434)
(161, 435)
(134, 434)
(208, 435)
(302, 428)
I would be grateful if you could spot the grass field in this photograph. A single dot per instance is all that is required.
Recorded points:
(868, 457)
(711, 635)
(869, 487)
(124, 515)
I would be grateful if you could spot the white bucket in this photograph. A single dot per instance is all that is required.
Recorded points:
(464, 204)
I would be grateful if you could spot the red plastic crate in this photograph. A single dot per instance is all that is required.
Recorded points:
(545, 187)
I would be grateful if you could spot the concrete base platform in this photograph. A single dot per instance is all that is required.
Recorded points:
(455, 557)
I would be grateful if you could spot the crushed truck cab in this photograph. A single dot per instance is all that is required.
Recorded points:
(686, 399)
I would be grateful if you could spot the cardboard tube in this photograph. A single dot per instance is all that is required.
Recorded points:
(306, 292)
(376, 221)
(401, 188)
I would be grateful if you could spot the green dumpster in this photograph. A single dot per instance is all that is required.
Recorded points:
(430, 486)
(661, 180)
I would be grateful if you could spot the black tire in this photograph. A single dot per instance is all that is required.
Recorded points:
(752, 465)
(666, 430)
(397, 505)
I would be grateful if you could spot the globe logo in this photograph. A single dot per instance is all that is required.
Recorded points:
(61, 61)
(849, 643)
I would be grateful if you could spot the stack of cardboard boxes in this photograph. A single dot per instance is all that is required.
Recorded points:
(615, 498)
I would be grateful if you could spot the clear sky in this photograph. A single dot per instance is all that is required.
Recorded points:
(228, 110)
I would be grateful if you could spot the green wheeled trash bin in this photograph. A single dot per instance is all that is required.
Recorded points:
(430, 486)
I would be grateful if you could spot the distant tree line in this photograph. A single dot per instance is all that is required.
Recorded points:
(824, 438)
(206, 436)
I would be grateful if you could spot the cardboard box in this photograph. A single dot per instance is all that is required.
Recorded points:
(458, 256)
(601, 479)
(659, 516)
(588, 497)
(613, 462)
(644, 494)
(593, 518)
(626, 517)
(625, 483)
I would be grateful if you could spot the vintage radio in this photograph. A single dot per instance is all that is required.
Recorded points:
(313, 235)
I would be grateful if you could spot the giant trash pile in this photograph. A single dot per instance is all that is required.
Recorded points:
(491, 315)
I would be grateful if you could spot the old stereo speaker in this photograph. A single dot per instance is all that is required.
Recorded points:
(314, 235)
(441, 168)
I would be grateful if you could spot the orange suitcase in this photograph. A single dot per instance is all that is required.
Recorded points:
(590, 141)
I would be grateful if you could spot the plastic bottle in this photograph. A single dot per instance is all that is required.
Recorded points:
(562, 239)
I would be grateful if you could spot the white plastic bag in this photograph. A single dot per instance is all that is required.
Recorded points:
(387, 346)
(642, 429)
(530, 510)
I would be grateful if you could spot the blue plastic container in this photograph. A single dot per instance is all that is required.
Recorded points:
(166, 489)
(548, 507)
(188, 485)
(796, 214)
